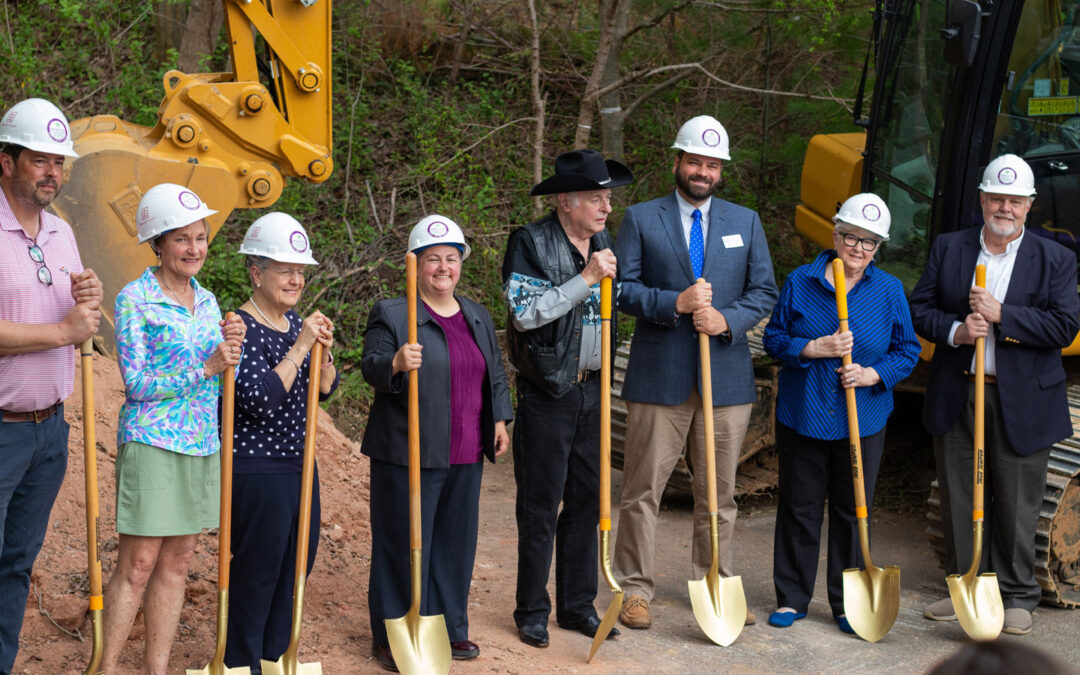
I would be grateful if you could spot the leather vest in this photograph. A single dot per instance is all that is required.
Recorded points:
(548, 356)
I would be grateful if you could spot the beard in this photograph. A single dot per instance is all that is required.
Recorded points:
(1003, 229)
(692, 190)
(30, 193)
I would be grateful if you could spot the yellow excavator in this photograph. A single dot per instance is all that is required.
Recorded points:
(232, 137)
(956, 84)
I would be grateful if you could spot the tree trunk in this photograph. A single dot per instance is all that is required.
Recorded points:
(607, 11)
(612, 115)
(201, 32)
(538, 107)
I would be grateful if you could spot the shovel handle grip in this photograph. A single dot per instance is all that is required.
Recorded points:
(605, 404)
(228, 410)
(854, 439)
(980, 412)
(86, 356)
(415, 531)
(707, 412)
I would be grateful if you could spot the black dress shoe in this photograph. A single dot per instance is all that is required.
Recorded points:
(535, 635)
(464, 650)
(384, 657)
(587, 626)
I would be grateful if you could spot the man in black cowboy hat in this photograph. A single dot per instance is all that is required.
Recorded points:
(551, 282)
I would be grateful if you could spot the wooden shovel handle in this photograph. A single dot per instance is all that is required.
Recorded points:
(980, 411)
(854, 440)
(86, 354)
(415, 531)
(605, 405)
(307, 476)
(707, 413)
(228, 409)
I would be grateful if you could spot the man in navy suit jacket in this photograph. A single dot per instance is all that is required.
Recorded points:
(1028, 311)
(663, 247)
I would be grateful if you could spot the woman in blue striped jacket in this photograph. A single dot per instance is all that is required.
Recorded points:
(811, 412)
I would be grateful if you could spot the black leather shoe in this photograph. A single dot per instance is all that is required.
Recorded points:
(464, 650)
(535, 635)
(587, 626)
(384, 657)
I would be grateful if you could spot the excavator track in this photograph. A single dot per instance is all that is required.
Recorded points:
(1057, 539)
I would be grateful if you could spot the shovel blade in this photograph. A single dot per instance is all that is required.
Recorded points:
(977, 602)
(216, 669)
(606, 623)
(285, 666)
(719, 607)
(420, 644)
(872, 600)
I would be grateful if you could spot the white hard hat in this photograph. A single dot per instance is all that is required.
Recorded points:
(867, 211)
(280, 237)
(168, 206)
(434, 230)
(1008, 175)
(37, 125)
(703, 135)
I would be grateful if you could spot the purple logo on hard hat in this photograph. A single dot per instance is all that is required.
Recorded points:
(298, 241)
(711, 138)
(189, 200)
(1007, 176)
(57, 130)
(438, 229)
(871, 212)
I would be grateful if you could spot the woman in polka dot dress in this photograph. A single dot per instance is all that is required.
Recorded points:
(268, 445)
(464, 407)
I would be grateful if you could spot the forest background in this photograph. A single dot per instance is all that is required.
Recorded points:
(459, 106)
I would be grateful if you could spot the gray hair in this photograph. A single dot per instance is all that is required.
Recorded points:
(262, 262)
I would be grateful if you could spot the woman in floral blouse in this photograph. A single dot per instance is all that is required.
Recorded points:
(172, 346)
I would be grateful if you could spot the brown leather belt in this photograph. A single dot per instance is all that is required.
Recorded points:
(35, 416)
(989, 379)
(586, 375)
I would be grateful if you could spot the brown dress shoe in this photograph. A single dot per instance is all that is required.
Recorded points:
(750, 618)
(635, 612)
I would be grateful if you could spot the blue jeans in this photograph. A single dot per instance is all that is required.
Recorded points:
(33, 459)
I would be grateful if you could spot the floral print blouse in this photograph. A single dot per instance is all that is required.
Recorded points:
(161, 349)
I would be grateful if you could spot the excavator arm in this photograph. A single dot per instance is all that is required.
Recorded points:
(228, 136)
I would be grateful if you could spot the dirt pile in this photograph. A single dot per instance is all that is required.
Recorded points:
(335, 620)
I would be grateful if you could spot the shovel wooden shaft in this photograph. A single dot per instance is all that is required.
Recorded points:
(415, 527)
(86, 354)
(980, 415)
(854, 439)
(707, 411)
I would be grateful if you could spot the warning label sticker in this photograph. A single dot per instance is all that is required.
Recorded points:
(1052, 105)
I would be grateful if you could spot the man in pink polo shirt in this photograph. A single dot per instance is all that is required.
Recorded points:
(48, 303)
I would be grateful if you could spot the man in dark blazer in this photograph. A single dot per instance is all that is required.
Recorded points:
(551, 283)
(1028, 312)
(663, 247)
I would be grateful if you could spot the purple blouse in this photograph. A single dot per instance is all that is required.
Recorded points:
(467, 372)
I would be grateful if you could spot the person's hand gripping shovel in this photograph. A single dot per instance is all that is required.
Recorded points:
(419, 644)
(719, 603)
(228, 408)
(86, 353)
(871, 596)
(289, 663)
(605, 470)
(976, 598)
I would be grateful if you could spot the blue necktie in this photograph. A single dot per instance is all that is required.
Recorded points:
(697, 245)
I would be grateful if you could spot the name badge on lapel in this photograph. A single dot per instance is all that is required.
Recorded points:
(732, 240)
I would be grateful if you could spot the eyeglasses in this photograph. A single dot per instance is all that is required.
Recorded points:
(868, 243)
(43, 273)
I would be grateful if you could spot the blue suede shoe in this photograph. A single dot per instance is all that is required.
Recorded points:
(842, 624)
(785, 619)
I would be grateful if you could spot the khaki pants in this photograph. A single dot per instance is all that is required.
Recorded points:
(655, 438)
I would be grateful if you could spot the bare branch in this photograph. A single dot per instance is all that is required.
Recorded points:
(770, 92)
(670, 82)
(654, 21)
(461, 152)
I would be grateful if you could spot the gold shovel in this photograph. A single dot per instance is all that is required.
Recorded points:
(719, 604)
(419, 644)
(871, 596)
(289, 663)
(228, 407)
(90, 463)
(976, 597)
(605, 470)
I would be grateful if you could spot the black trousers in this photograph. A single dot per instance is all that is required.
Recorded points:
(450, 512)
(265, 522)
(812, 469)
(557, 459)
(1013, 493)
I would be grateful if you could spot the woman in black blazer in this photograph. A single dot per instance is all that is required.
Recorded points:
(464, 407)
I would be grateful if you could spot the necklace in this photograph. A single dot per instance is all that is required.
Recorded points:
(266, 318)
(161, 280)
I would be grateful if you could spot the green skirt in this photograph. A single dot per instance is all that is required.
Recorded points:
(160, 493)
